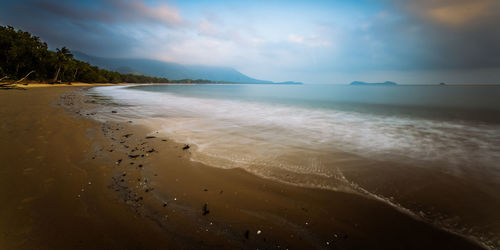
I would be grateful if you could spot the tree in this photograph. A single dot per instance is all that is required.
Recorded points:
(63, 56)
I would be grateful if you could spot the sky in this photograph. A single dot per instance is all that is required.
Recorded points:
(336, 42)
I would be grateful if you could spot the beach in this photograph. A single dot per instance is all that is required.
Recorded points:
(71, 182)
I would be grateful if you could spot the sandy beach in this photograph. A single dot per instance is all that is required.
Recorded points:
(69, 182)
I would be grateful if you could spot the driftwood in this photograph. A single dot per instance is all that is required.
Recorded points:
(10, 85)
(3, 78)
(24, 78)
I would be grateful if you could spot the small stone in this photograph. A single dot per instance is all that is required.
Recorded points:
(186, 147)
(114, 111)
(205, 209)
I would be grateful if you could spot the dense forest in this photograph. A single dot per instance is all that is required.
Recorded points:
(24, 57)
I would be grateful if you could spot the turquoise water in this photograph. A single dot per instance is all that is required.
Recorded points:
(320, 135)
(242, 125)
(431, 101)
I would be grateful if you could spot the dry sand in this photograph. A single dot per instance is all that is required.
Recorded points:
(68, 182)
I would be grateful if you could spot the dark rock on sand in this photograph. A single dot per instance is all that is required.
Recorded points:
(150, 137)
(186, 147)
(133, 156)
(205, 209)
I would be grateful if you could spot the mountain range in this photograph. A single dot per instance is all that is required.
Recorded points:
(170, 70)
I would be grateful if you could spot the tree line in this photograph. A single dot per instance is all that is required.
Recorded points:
(25, 57)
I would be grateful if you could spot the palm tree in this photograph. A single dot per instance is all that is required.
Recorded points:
(63, 55)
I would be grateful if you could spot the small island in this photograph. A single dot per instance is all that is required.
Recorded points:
(386, 83)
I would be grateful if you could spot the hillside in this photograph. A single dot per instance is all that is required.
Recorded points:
(173, 71)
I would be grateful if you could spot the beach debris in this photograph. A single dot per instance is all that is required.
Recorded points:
(151, 150)
(127, 135)
(186, 147)
(163, 140)
(133, 156)
(118, 162)
(259, 232)
(164, 204)
(114, 111)
(247, 234)
(205, 209)
(150, 137)
(140, 165)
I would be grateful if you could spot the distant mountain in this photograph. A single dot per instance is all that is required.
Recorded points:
(386, 83)
(172, 71)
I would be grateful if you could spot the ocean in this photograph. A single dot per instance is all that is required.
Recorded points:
(342, 138)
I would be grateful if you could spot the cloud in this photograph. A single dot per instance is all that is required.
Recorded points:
(456, 12)
(274, 36)
(112, 11)
(310, 41)
(139, 11)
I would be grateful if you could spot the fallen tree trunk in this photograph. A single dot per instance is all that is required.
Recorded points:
(24, 78)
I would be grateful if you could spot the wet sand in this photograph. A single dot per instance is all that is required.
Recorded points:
(68, 182)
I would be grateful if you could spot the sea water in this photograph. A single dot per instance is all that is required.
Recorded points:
(307, 134)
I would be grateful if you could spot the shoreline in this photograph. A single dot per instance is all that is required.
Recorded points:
(181, 200)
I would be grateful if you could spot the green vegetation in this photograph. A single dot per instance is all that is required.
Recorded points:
(24, 57)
